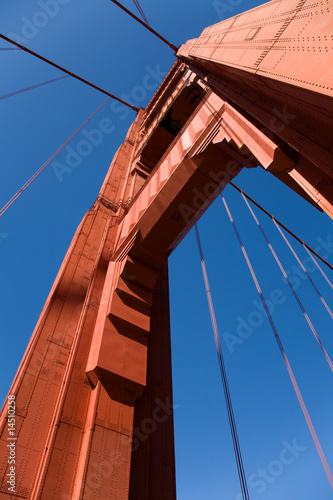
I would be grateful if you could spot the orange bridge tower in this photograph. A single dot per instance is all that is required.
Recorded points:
(94, 390)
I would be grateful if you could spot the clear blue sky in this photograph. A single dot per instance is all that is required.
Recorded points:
(99, 42)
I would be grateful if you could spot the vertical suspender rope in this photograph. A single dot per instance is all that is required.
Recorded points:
(171, 45)
(282, 225)
(5, 96)
(285, 275)
(238, 455)
(304, 270)
(319, 267)
(138, 6)
(40, 170)
(284, 356)
(64, 70)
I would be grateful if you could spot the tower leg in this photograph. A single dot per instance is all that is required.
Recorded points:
(153, 461)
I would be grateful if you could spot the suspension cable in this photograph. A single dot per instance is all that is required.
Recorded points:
(281, 225)
(173, 47)
(284, 356)
(7, 48)
(36, 174)
(138, 6)
(320, 269)
(232, 423)
(32, 87)
(304, 269)
(295, 294)
(69, 72)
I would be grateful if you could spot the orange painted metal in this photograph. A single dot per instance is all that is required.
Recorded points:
(273, 64)
(94, 389)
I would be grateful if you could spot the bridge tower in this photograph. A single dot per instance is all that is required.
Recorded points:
(94, 389)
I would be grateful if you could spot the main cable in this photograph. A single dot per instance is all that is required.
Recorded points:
(231, 417)
(40, 170)
(171, 45)
(112, 96)
(282, 351)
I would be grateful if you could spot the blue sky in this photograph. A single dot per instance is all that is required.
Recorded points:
(100, 43)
